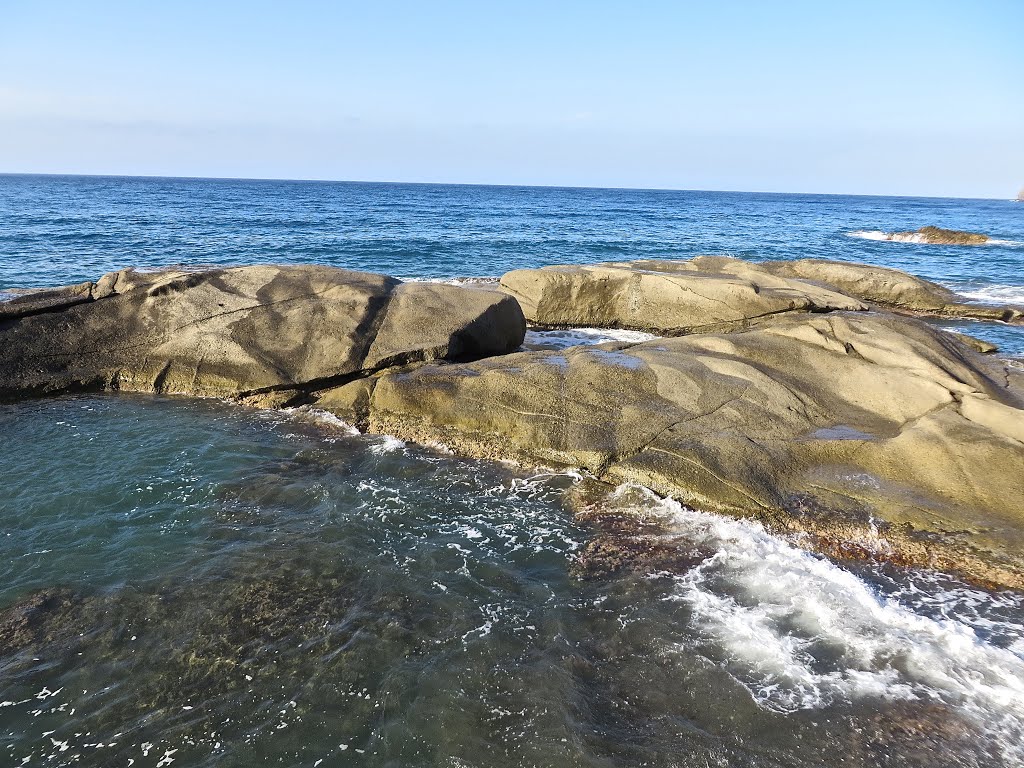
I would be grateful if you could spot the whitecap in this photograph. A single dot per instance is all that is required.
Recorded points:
(895, 237)
(995, 294)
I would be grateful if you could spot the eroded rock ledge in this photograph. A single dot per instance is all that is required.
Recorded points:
(792, 398)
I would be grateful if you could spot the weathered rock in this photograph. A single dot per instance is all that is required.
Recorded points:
(890, 288)
(978, 345)
(820, 423)
(938, 236)
(233, 332)
(705, 294)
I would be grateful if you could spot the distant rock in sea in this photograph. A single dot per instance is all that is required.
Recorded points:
(928, 235)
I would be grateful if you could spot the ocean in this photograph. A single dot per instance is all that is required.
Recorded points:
(236, 587)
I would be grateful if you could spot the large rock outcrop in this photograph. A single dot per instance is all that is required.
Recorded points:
(705, 294)
(815, 423)
(234, 332)
(890, 288)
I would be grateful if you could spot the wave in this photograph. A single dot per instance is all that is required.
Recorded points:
(995, 294)
(896, 237)
(799, 632)
(912, 237)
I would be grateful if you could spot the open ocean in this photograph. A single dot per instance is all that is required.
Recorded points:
(241, 587)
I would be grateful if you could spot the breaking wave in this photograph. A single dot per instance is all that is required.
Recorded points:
(802, 633)
(995, 294)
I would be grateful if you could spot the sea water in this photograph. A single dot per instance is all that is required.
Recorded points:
(189, 582)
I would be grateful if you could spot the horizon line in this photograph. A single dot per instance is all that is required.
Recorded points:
(475, 184)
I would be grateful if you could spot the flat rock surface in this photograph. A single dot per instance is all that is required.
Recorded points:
(229, 332)
(815, 423)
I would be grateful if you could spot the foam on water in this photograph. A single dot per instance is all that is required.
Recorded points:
(321, 418)
(800, 632)
(995, 294)
(912, 237)
(895, 237)
(573, 337)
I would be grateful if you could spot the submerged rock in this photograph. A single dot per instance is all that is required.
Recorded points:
(705, 294)
(234, 332)
(865, 416)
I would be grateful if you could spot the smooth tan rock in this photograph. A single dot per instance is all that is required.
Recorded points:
(864, 416)
(704, 294)
(890, 288)
(230, 332)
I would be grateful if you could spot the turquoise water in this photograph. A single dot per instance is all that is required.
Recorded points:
(189, 582)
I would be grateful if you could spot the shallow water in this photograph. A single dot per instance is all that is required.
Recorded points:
(238, 587)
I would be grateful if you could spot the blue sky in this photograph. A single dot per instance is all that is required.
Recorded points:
(896, 97)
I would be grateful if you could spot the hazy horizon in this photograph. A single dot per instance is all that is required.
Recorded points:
(924, 100)
(171, 177)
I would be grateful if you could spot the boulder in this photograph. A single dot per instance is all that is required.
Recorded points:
(875, 435)
(235, 332)
(705, 294)
(890, 288)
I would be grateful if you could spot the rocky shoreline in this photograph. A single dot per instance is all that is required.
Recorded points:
(806, 394)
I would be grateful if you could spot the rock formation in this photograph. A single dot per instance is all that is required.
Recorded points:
(705, 294)
(890, 288)
(717, 293)
(790, 400)
(242, 331)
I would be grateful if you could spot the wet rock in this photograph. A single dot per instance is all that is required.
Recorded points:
(241, 332)
(871, 416)
(31, 621)
(939, 236)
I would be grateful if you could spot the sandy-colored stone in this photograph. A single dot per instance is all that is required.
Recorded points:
(704, 294)
(890, 288)
(234, 332)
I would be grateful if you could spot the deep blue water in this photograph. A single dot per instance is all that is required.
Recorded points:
(60, 229)
(230, 587)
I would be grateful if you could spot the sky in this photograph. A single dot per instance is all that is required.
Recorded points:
(870, 97)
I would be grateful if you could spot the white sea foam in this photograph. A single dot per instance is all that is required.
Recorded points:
(573, 337)
(996, 294)
(800, 632)
(911, 237)
(386, 444)
(323, 417)
(895, 237)
(486, 281)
